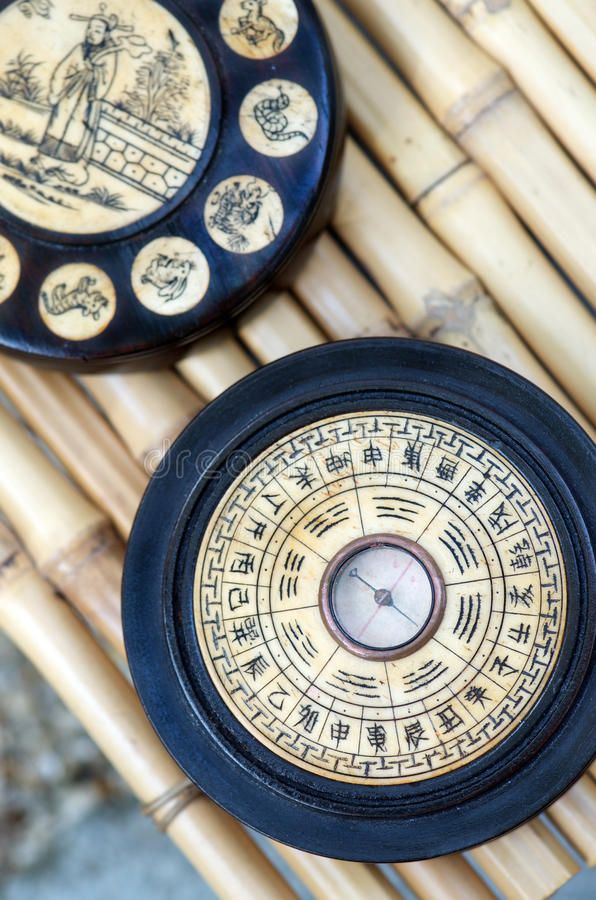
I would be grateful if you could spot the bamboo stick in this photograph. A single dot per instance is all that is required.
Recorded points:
(574, 23)
(513, 34)
(462, 206)
(72, 545)
(330, 878)
(57, 409)
(215, 363)
(135, 402)
(58, 644)
(340, 299)
(475, 100)
(526, 864)
(575, 815)
(68, 538)
(444, 878)
(276, 325)
(434, 295)
(385, 113)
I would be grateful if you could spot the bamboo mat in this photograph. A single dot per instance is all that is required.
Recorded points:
(465, 215)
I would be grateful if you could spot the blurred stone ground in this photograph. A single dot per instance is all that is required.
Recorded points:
(68, 827)
(51, 774)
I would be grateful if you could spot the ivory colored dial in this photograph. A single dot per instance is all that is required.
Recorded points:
(380, 598)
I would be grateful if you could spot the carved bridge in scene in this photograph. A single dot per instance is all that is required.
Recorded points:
(143, 156)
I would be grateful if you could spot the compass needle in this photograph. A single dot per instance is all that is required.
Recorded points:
(402, 613)
(354, 574)
(377, 628)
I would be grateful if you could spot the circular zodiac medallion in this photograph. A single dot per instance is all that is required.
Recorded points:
(10, 269)
(367, 612)
(266, 124)
(261, 219)
(149, 140)
(258, 29)
(170, 276)
(78, 301)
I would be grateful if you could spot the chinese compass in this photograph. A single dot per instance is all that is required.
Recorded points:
(162, 163)
(359, 612)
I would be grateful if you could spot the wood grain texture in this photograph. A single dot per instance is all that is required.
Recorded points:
(575, 815)
(337, 878)
(434, 294)
(147, 409)
(96, 692)
(68, 538)
(339, 298)
(474, 99)
(444, 878)
(527, 864)
(464, 208)
(515, 36)
(275, 326)
(60, 412)
(46, 509)
(89, 574)
(215, 363)
(574, 23)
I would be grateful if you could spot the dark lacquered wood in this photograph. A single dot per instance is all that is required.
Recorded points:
(303, 181)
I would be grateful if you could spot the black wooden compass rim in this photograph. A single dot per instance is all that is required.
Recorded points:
(137, 336)
(250, 795)
(185, 653)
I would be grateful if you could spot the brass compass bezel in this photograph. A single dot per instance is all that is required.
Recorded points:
(349, 551)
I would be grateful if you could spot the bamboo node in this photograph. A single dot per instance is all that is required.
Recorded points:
(460, 8)
(96, 541)
(449, 314)
(475, 104)
(445, 177)
(13, 561)
(170, 804)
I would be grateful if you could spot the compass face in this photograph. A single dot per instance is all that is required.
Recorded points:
(358, 601)
(380, 598)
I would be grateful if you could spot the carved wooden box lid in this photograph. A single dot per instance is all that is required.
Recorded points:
(160, 164)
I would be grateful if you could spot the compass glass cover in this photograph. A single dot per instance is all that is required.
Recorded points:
(401, 608)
